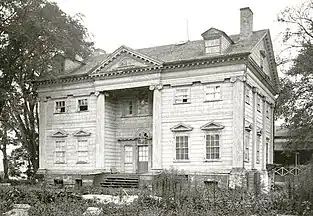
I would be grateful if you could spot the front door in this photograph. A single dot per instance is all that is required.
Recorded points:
(143, 158)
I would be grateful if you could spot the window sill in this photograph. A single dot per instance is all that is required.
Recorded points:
(59, 163)
(81, 111)
(182, 103)
(81, 162)
(181, 161)
(215, 100)
(212, 160)
(56, 113)
(134, 116)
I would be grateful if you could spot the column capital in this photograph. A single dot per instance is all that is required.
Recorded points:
(156, 87)
(241, 78)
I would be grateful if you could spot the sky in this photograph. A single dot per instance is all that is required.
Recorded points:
(146, 23)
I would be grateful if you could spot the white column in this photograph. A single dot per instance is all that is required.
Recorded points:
(264, 134)
(272, 129)
(238, 121)
(156, 130)
(254, 127)
(42, 132)
(100, 156)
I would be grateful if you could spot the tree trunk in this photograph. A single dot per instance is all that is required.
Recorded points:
(5, 155)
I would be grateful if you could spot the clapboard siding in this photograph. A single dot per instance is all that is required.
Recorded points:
(112, 150)
(71, 121)
(196, 114)
(256, 56)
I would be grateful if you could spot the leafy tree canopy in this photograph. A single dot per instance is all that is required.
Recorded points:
(295, 101)
(32, 32)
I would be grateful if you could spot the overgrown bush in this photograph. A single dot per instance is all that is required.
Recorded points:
(172, 194)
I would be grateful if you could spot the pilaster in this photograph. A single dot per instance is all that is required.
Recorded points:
(254, 127)
(156, 130)
(43, 103)
(238, 121)
(100, 151)
(264, 133)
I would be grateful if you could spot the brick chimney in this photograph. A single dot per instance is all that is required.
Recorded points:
(246, 22)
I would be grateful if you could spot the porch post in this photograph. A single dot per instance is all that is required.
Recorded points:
(156, 130)
(100, 130)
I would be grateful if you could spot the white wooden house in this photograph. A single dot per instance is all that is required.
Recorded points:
(203, 106)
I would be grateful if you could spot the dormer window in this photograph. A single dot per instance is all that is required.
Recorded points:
(213, 46)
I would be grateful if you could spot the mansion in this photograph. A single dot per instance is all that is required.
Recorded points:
(204, 107)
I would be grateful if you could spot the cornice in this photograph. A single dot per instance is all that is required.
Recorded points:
(175, 65)
(262, 76)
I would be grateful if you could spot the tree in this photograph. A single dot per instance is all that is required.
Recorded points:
(31, 33)
(295, 101)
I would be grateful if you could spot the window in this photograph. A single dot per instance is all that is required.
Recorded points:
(212, 93)
(182, 95)
(143, 153)
(267, 111)
(143, 105)
(246, 146)
(128, 156)
(83, 105)
(213, 46)
(247, 95)
(60, 107)
(266, 150)
(262, 57)
(182, 148)
(258, 107)
(129, 108)
(82, 151)
(60, 151)
(212, 146)
(258, 143)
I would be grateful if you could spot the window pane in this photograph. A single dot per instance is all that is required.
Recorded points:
(213, 146)
(182, 148)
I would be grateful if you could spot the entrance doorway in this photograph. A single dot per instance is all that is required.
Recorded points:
(143, 158)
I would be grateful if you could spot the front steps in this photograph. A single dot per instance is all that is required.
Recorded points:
(120, 181)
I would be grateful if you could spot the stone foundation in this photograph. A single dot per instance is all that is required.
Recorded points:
(238, 178)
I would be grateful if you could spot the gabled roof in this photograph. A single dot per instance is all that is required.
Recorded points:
(181, 128)
(164, 55)
(212, 126)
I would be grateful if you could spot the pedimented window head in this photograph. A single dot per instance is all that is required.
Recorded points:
(212, 126)
(59, 134)
(181, 128)
(81, 133)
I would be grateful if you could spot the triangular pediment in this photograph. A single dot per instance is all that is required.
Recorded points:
(59, 133)
(181, 128)
(125, 58)
(212, 126)
(81, 133)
